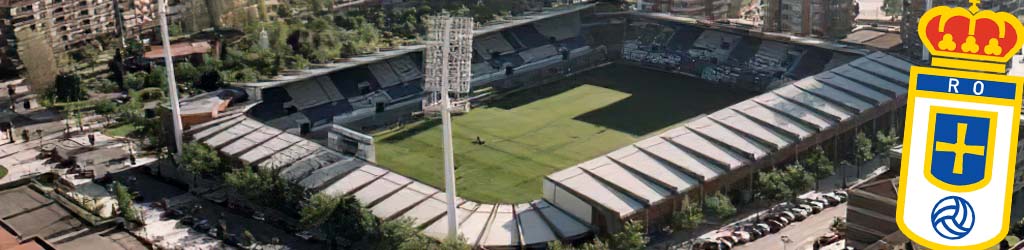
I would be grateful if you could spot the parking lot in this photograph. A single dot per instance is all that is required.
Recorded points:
(154, 189)
(795, 225)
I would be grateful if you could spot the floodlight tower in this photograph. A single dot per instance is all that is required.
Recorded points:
(446, 76)
(172, 86)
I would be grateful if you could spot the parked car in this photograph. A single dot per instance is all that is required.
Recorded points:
(706, 244)
(789, 216)
(799, 214)
(765, 228)
(753, 230)
(827, 239)
(826, 202)
(259, 216)
(730, 240)
(774, 226)
(187, 220)
(832, 197)
(814, 207)
(842, 194)
(305, 235)
(742, 237)
(172, 214)
(202, 225)
(821, 205)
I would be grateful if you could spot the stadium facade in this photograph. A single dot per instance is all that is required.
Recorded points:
(819, 95)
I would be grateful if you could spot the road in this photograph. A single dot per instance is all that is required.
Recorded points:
(802, 233)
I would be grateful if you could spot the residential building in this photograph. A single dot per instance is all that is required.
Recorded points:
(913, 9)
(66, 24)
(821, 18)
(710, 9)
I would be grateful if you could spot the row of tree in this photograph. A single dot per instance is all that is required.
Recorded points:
(786, 183)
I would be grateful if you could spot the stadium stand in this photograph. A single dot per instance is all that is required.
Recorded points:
(386, 194)
(745, 61)
(727, 145)
(560, 28)
(309, 92)
(406, 69)
(384, 75)
(538, 53)
(488, 45)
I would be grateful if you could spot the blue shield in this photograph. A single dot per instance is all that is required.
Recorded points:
(960, 149)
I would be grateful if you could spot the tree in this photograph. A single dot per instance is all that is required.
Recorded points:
(125, 203)
(117, 72)
(885, 141)
(68, 88)
(688, 217)
(157, 77)
(254, 186)
(798, 179)
(630, 238)
(200, 159)
(863, 152)
(719, 206)
(135, 81)
(135, 48)
(37, 56)
(819, 165)
(105, 108)
(185, 73)
(342, 219)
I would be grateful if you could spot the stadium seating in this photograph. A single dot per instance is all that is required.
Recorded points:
(384, 75)
(528, 36)
(485, 45)
(560, 28)
(309, 91)
(684, 37)
(405, 68)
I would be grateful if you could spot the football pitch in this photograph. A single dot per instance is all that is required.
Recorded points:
(532, 133)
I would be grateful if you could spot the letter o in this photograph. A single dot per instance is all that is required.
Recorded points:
(979, 87)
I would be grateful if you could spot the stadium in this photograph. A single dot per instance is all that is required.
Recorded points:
(580, 122)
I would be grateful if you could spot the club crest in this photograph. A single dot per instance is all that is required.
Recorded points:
(960, 141)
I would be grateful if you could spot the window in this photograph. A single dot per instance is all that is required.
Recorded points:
(84, 13)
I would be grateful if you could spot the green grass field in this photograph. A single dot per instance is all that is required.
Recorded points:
(532, 133)
(3, 171)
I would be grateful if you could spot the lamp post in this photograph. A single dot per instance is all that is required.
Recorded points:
(172, 86)
(785, 242)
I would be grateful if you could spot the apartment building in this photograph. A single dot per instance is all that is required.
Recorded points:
(913, 9)
(64, 23)
(710, 9)
(820, 18)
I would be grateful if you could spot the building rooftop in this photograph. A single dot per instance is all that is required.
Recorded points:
(880, 40)
(707, 147)
(179, 49)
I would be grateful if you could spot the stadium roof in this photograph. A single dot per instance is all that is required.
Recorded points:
(707, 147)
(388, 195)
(809, 41)
(402, 50)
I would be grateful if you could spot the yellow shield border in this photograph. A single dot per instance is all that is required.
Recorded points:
(912, 94)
